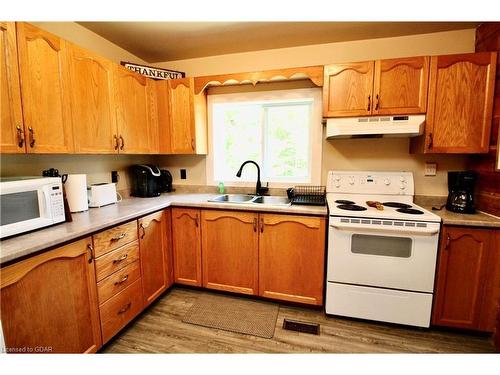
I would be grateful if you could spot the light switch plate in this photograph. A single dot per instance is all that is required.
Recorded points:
(430, 169)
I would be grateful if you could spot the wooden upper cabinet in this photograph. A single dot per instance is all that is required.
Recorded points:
(186, 244)
(460, 104)
(348, 89)
(230, 251)
(291, 258)
(92, 102)
(182, 117)
(136, 112)
(12, 136)
(467, 287)
(43, 65)
(400, 86)
(156, 255)
(50, 301)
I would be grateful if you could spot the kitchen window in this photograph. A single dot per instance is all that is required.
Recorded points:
(281, 130)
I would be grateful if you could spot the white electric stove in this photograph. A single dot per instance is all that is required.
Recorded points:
(381, 261)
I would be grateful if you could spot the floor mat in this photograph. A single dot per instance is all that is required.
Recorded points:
(234, 314)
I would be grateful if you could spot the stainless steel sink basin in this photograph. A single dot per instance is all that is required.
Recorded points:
(233, 198)
(274, 201)
(244, 198)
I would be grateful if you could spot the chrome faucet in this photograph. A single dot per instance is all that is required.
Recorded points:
(259, 190)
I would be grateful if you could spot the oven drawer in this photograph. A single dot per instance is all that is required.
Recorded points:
(385, 305)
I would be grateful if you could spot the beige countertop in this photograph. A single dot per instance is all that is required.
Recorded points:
(96, 219)
(479, 219)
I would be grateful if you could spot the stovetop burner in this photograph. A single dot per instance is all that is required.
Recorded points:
(351, 207)
(411, 211)
(396, 205)
(343, 201)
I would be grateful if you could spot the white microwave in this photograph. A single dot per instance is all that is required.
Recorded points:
(29, 203)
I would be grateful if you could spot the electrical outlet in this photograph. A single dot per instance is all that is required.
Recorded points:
(114, 176)
(183, 174)
(430, 169)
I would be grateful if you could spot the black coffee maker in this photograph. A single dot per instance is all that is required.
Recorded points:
(145, 180)
(461, 192)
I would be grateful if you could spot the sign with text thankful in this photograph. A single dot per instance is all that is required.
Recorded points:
(152, 72)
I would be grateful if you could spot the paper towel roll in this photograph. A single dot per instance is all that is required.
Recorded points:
(76, 192)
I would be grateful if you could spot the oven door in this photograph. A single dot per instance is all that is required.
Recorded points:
(383, 256)
(24, 208)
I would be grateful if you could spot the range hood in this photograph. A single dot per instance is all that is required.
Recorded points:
(378, 126)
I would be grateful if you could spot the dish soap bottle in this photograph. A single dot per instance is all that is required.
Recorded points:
(221, 187)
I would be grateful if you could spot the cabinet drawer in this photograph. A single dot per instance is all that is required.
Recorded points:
(120, 309)
(116, 260)
(118, 281)
(115, 237)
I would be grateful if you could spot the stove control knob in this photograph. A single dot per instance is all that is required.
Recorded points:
(402, 179)
(337, 184)
(387, 182)
(402, 186)
(351, 180)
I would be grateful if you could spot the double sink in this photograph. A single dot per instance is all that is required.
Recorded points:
(253, 199)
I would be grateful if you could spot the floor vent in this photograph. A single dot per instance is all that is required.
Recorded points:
(295, 325)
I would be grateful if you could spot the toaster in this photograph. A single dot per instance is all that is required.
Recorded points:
(101, 194)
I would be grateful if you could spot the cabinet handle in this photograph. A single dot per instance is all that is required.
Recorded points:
(261, 225)
(143, 230)
(369, 102)
(192, 144)
(116, 142)
(32, 137)
(196, 220)
(124, 278)
(431, 141)
(125, 308)
(20, 138)
(377, 104)
(123, 143)
(120, 259)
(255, 224)
(90, 248)
(119, 237)
(448, 240)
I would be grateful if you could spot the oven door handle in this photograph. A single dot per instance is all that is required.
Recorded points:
(403, 230)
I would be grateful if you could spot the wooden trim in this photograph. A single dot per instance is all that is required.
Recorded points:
(313, 73)
(309, 222)
(230, 288)
(12, 274)
(244, 217)
(291, 298)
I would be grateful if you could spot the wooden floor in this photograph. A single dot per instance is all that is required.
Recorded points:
(160, 330)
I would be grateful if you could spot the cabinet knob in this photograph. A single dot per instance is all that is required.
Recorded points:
(143, 231)
(117, 144)
(369, 102)
(431, 141)
(32, 137)
(255, 224)
(377, 104)
(261, 225)
(120, 259)
(123, 143)
(20, 137)
(90, 248)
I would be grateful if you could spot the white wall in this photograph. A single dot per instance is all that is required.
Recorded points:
(357, 154)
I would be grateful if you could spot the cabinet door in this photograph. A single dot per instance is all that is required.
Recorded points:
(460, 103)
(164, 117)
(186, 240)
(461, 276)
(50, 301)
(155, 254)
(400, 86)
(230, 251)
(45, 91)
(136, 112)
(92, 102)
(347, 89)
(182, 131)
(291, 258)
(12, 136)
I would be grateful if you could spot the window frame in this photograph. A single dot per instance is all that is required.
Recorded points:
(315, 133)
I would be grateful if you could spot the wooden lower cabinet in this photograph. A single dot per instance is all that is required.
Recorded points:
(156, 254)
(49, 302)
(468, 278)
(186, 243)
(291, 258)
(230, 251)
(120, 309)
